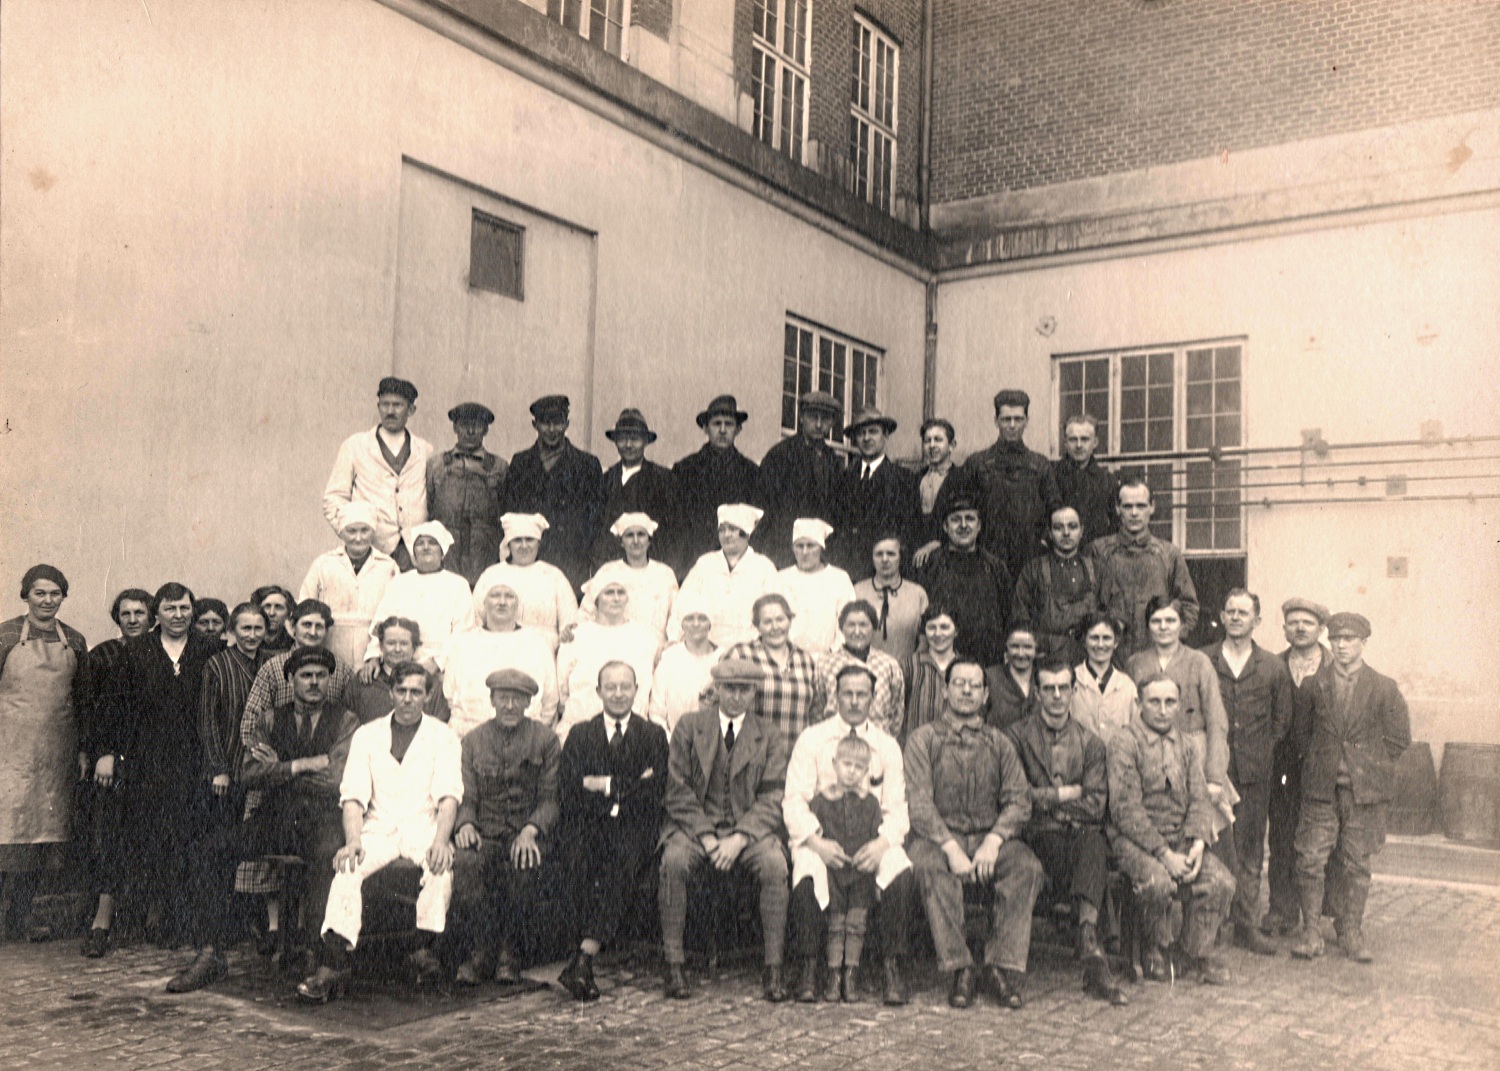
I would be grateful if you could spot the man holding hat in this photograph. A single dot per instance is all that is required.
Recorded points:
(714, 476)
(1350, 748)
(876, 497)
(799, 476)
(635, 485)
(465, 488)
(727, 776)
(559, 481)
(510, 768)
(386, 467)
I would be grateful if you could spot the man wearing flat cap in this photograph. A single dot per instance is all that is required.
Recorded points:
(1351, 747)
(465, 488)
(876, 497)
(636, 485)
(386, 467)
(727, 776)
(561, 482)
(509, 809)
(718, 474)
(799, 476)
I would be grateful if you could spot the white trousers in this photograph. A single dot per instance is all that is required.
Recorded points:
(346, 895)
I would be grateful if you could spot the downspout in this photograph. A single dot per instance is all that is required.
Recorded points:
(924, 208)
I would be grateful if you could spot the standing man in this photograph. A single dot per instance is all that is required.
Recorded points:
(1084, 484)
(465, 487)
(727, 776)
(799, 476)
(1361, 730)
(1257, 693)
(561, 482)
(875, 496)
(1014, 486)
(717, 475)
(938, 440)
(969, 801)
(1066, 766)
(970, 580)
(386, 467)
(812, 770)
(635, 485)
(1140, 566)
(1058, 589)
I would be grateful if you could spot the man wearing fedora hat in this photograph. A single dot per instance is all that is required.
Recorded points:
(635, 485)
(465, 486)
(799, 476)
(561, 482)
(876, 497)
(716, 475)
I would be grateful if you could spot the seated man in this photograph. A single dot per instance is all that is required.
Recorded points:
(613, 776)
(400, 794)
(727, 774)
(510, 766)
(812, 770)
(1160, 818)
(969, 801)
(1066, 767)
(295, 758)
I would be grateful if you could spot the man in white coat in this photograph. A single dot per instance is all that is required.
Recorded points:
(811, 770)
(400, 793)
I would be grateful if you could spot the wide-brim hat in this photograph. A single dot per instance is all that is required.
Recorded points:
(723, 405)
(821, 401)
(631, 422)
(867, 416)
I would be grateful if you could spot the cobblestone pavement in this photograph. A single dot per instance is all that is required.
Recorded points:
(1431, 1001)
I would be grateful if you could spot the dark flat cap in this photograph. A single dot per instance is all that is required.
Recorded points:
(821, 401)
(631, 422)
(511, 680)
(308, 656)
(551, 405)
(723, 405)
(400, 387)
(1346, 623)
(473, 412)
(737, 670)
(1297, 602)
(960, 500)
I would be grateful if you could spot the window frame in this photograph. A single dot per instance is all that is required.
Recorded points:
(822, 337)
(478, 216)
(866, 127)
(770, 54)
(586, 22)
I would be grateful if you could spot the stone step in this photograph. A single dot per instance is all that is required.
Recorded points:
(1436, 858)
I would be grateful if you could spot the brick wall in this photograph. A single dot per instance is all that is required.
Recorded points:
(1033, 92)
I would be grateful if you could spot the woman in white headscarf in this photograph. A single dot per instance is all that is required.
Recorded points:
(547, 600)
(816, 590)
(500, 642)
(611, 637)
(436, 599)
(685, 668)
(351, 580)
(728, 580)
(652, 584)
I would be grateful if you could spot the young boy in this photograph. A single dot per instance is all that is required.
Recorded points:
(850, 816)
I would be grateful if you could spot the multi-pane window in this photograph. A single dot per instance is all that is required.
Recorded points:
(778, 74)
(815, 358)
(872, 119)
(1183, 402)
(602, 21)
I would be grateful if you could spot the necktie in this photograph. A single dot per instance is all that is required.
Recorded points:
(864, 472)
(616, 734)
(729, 738)
(304, 728)
(885, 610)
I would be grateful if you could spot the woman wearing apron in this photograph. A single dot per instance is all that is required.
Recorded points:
(41, 680)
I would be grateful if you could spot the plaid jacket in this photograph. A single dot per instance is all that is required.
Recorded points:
(790, 698)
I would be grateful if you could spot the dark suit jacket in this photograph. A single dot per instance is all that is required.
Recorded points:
(707, 480)
(568, 497)
(867, 509)
(1369, 736)
(1305, 705)
(652, 491)
(1092, 490)
(1259, 705)
(757, 776)
(798, 479)
(637, 795)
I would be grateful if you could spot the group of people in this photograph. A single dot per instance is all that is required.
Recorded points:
(867, 691)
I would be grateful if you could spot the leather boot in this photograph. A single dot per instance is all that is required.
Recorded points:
(1099, 982)
(895, 994)
(506, 971)
(961, 994)
(1352, 941)
(578, 977)
(833, 985)
(1252, 940)
(806, 989)
(676, 983)
(205, 970)
(773, 987)
(1088, 942)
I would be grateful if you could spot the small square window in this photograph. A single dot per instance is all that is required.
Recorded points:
(496, 250)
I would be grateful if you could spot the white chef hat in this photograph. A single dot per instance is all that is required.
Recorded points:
(742, 516)
(521, 526)
(356, 512)
(627, 521)
(811, 528)
(434, 529)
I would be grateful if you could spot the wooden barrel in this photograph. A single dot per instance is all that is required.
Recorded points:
(1470, 794)
(1414, 796)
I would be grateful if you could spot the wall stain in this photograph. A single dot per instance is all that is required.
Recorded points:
(42, 179)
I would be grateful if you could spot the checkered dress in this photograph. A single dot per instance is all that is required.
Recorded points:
(791, 698)
(886, 708)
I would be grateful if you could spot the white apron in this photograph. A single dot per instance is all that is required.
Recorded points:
(38, 741)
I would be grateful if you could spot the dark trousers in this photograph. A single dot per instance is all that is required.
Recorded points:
(765, 860)
(890, 924)
(1244, 852)
(1348, 833)
(606, 867)
(491, 898)
(1076, 862)
(1282, 811)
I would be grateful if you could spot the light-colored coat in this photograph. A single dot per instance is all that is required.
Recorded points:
(361, 474)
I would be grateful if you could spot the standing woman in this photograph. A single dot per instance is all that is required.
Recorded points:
(901, 603)
(684, 669)
(927, 675)
(351, 580)
(1104, 696)
(817, 591)
(42, 679)
(277, 602)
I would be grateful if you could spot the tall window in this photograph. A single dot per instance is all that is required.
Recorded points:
(602, 21)
(1182, 401)
(872, 119)
(815, 358)
(778, 74)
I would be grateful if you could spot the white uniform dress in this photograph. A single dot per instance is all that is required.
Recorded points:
(652, 590)
(579, 662)
(401, 805)
(440, 603)
(727, 593)
(811, 770)
(547, 600)
(816, 599)
(353, 598)
(471, 657)
(679, 676)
